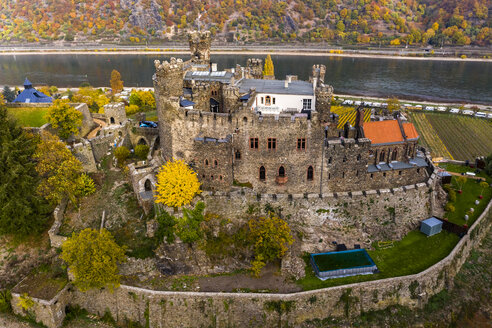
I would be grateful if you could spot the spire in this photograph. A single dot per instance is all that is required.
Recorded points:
(27, 84)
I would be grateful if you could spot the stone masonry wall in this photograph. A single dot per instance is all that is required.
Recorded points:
(194, 309)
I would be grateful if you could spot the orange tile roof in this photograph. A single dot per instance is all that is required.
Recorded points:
(382, 132)
(410, 131)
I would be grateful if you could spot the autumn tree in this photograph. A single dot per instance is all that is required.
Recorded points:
(22, 210)
(58, 168)
(268, 69)
(115, 82)
(177, 184)
(145, 100)
(65, 118)
(94, 98)
(483, 185)
(141, 151)
(393, 105)
(93, 257)
(271, 237)
(121, 154)
(461, 181)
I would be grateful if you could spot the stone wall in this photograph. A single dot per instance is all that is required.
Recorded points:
(83, 152)
(87, 121)
(59, 212)
(48, 312)
(194, 309)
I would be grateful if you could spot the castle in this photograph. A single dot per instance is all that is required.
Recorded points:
(278, 136)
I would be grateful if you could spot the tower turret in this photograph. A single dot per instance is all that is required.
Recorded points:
(200, 47)
(323, 102)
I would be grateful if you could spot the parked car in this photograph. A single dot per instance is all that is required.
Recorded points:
(441, 109)
(429, 108)
(468, 112)
(489, 115)
(148, 124)
(376, 104)
(454, 111)
(480, 114)
(418, 106)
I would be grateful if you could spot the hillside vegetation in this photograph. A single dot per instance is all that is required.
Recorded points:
(386, 22)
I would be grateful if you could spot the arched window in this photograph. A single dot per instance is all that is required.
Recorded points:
(220, 177)
(394, 155)
(344, 159)
(245, 120)
(206, 162)
(281, 172)
(211, 177)
(111, 120)
(262, 173)
(329, 160)
(381, 156)
(268, 101)
(148, 185)
(142, 141)
(238, 154)
(310, 173)
(216, 163)
(358, 157)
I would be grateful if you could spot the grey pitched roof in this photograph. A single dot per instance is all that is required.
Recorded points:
(276, 86)
(416, 161)
(219, 76)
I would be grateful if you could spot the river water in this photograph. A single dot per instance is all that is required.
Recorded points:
(448, 81)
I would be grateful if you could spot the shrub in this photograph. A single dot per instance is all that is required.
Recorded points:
(121, 154)
(5, 298)
(141, 151)
(452, 195)
(85, 185)
(449, 208)
(131, 109)
(166, 227)
(188, 227)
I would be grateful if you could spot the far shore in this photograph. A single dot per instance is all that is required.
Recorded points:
(283, 52)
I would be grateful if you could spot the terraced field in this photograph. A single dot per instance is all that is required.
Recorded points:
(454, 136)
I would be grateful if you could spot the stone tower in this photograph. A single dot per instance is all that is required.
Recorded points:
(323, 102)
(200, 47)
(318, 74)
(254, 68)
(231, 98)
(168, 86)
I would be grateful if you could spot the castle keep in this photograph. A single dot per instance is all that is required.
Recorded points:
(279, 136)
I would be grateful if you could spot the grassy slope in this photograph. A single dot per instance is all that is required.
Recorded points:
(28, 116)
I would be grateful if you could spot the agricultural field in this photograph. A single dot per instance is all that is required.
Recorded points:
(453, 136)
(348, 114)
(29, 116)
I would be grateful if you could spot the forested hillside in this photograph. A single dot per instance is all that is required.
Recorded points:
(392, 22)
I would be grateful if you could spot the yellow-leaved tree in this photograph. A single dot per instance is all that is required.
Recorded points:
(116, 83)
(65, 118)
(177, 184)
(58, 168)
(271, 238)
(268, 69)
(93, 258)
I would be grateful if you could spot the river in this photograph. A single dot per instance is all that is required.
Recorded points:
(432, 80)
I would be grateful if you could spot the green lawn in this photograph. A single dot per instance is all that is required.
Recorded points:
(29, 116)
(466, 200)
(414, 253)
(149, 116)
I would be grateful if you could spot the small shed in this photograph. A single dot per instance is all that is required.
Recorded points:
(445, 177)
(431, 226)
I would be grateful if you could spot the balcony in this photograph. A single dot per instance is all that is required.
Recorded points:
(281, 180)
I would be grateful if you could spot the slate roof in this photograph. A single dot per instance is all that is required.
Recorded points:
(186, 103)
(432, 221)
(276, 86)
(218, 76)
(388, 132)
(395, 165)
(31, 95)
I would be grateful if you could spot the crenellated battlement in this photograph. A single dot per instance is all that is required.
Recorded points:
(318, 72)
(324, 93)
(348, 143)
(200, 46)
(167, 67)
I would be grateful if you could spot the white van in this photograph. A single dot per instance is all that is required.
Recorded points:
(454, 110)
(441, 109)
(468, 112)
(429, 108)
(480, 114)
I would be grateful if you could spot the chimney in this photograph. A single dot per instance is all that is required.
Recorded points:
(286, 84)
(315, 82)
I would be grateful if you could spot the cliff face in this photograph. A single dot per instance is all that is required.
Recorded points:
(345, 21)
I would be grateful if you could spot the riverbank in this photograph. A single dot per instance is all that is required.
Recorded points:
(402, 54)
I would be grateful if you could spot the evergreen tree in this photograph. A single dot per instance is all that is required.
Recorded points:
(22, 211)
(268, 69)
(8, 94)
